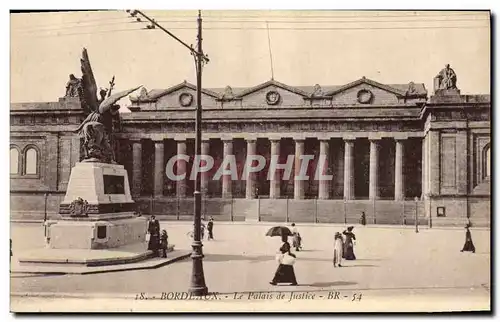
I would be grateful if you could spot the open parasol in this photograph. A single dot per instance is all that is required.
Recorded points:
(279, 231)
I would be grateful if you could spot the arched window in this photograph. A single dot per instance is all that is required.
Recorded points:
(31, 161)
(14, 161)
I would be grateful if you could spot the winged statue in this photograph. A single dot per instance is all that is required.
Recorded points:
(97, 129)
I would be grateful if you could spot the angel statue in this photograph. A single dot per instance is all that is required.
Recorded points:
(97, 129)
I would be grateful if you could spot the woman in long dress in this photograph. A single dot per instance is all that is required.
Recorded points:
(349, 244)
(154, 235)
(284, 273)
(469, 245)
(338, 250)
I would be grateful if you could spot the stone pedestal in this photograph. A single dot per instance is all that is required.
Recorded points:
(447, 92)
(98, 211)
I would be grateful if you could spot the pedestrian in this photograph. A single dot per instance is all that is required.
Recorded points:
(338, 250)
(210, 228)
(469, 245)
(164, 243)
(285, 272)
(202, 231)
(363, 218)
(349, 244)
(297, 240)
(154, 235)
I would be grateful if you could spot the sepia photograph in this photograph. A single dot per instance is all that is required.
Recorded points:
(334, 161)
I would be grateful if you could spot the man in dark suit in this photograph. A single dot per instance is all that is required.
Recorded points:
(210, 228)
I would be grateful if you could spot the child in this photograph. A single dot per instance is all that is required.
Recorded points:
(297, 240)
(164, 242)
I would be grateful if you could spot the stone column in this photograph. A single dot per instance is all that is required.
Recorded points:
(433, 167)
(374, 182)
(324, 191)
(462, 154)
(250, 180)
(226, 179)
(159, 170)
(205, 176)
(399, 193)
(136, 167)
(298, 187)
(181, 169)
(349, 169)
(275, 184)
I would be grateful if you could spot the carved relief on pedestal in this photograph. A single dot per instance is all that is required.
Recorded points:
(79, 208)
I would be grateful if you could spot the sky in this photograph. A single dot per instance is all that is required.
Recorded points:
(307, 48)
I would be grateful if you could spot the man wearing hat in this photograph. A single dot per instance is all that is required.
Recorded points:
(210, 228)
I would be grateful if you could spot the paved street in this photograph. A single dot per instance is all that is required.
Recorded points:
(391, 261)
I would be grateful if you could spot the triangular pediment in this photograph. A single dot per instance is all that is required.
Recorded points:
(155, 95)
(369, 82)
(272, 84)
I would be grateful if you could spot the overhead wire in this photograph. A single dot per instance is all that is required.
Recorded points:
(271, 28)
(126, 20)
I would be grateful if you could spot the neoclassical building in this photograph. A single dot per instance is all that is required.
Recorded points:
(394, 151)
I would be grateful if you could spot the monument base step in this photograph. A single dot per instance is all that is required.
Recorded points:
(82, 261)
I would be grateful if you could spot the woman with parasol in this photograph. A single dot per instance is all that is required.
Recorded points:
(286, 259)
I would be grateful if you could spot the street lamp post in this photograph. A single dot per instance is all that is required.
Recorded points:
(198, 286)
(416, 214)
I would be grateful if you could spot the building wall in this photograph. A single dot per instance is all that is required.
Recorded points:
(455, 133)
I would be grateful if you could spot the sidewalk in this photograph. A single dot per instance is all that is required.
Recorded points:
(268, 223)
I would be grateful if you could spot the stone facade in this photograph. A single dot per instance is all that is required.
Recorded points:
(393, 152)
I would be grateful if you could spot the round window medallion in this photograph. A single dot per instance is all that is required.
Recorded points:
(185, 99)
(272, 97)
(365, 96)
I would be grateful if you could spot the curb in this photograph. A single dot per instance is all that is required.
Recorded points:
(109, 270)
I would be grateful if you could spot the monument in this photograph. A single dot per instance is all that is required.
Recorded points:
(97, 212)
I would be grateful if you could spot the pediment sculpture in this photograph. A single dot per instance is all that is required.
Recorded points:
(317, 91)
(228, 93)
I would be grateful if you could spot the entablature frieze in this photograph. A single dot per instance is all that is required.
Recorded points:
(271, 136)
(268, 127)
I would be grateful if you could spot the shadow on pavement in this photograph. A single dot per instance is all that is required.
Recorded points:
(329, 284)
(258, 258)
(224, 258)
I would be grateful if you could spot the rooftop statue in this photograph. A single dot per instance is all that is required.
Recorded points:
(73, 87)
(97, 129)
(447, 78)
